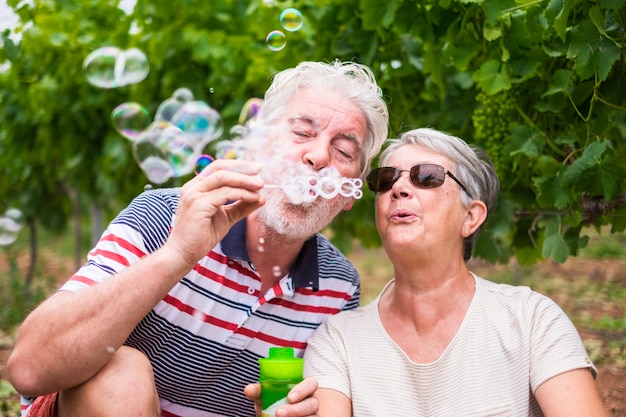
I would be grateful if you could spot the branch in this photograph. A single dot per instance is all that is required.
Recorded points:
(594, 207)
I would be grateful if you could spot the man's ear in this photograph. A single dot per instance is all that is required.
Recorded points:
(476, 216)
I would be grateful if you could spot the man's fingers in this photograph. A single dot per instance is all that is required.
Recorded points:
(232, 165)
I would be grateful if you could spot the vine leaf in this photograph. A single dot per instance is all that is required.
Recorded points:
(592, 51)
(491, 79)
(377, 12)
(593, 173)
(554, 245)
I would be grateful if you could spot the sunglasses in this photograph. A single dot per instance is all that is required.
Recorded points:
(382, 179)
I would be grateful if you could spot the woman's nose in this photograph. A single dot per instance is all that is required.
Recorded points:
(402, 187)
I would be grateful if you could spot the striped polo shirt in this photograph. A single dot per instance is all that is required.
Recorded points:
(205, 337)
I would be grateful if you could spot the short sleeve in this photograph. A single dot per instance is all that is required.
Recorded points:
(555, 345)
(325, 358)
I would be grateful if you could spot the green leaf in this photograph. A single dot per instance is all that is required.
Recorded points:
(491, 79)
(375, 13)
(595, 172)
(550, 193)
(554, 246)
(561, 82)
(560, 21)
(495, 8)
(597, 17)
(525, 140)
(612, 4)
(592, 52)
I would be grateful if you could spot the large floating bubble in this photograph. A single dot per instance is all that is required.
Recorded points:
(130, 119)
(200, 122)
(168, 108)
(164, 143)
(111, 67)
(291, 19)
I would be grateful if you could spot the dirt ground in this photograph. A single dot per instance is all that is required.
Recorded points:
(609, 345)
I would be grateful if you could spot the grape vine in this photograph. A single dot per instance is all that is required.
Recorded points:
(492, 120)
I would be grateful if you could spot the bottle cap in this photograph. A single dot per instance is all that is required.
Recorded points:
(280, 365)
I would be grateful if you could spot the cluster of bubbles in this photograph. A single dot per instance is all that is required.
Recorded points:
(171, 144)
(326, 184)
(168, 145)
(290, 20)
(111, 67)
(300, 183)
(11, 222)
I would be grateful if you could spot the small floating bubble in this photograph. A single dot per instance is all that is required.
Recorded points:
(202, 162)
(156, 169)
(182, 94)
(250, 110)
(276, 40)
(16, 215)
(291, 19)
(9, 231)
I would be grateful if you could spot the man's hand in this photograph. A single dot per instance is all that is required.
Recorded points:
(301, 400)
(210, 203)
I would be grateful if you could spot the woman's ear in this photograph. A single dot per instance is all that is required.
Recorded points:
(476, 216)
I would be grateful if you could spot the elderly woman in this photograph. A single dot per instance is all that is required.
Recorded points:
(439, 340)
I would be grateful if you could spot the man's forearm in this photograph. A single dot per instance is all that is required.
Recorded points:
(68, 338)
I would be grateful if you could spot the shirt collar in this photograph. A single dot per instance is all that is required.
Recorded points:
(304, 271)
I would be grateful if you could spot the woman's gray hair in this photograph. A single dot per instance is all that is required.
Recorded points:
(470, 164)
(354, 80)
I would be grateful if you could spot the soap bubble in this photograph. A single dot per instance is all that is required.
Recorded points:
(291, 19)
(250, 110)
(168, 108)
(182, 94)
(199, 121)
(156, 169)
(150, 152)
(300, 183)
(135, 66)
(165, 142)
(202, 162)
(169, 145)
(130, 119)
(111, 67)
(15, 215)
(9, 230)
(276, 40)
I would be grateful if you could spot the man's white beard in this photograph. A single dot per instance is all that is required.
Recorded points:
(298, 221)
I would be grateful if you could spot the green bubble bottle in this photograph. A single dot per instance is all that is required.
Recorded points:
(278, 373)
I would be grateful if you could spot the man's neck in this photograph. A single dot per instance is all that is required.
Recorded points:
(272, 254)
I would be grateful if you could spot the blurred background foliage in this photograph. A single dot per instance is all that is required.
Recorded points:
(538, 84)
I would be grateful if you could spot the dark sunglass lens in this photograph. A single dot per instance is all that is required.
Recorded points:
(381, 179)
(428, 175)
